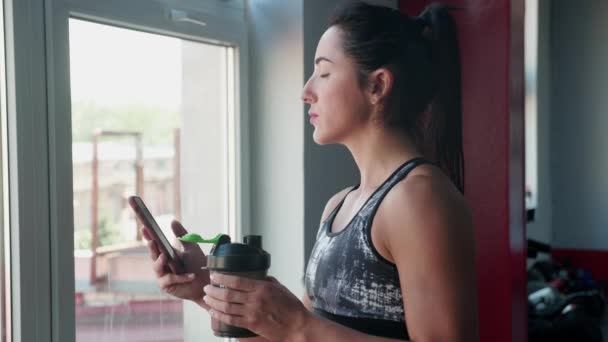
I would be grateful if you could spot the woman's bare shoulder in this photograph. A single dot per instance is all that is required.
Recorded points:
(426, 196)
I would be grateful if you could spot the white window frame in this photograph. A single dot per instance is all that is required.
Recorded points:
(39, 138)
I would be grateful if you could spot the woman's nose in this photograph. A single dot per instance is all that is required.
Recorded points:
(307, 94)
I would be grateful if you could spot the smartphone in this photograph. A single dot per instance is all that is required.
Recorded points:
(144, 216)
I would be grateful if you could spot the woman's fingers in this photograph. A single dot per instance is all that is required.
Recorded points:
(225, 307)
(160, 265)
(237, 321)
(226, 295)
(146, 234)
(168, 280)
(235, 282)
(153, 249)
(272, 280)
(178, 229)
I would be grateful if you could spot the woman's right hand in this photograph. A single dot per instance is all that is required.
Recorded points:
(185, 286)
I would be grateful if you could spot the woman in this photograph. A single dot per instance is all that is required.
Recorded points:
(394, 257)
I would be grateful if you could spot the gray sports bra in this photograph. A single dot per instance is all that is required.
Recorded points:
(348, 281)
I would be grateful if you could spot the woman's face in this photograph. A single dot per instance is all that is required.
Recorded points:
(338, 105)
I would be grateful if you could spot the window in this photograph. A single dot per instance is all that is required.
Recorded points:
(147, 111)
(531, 106)
(157, 88)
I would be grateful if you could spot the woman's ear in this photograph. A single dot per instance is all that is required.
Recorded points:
(380, 84)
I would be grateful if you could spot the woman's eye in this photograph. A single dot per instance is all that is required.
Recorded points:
(324, 75)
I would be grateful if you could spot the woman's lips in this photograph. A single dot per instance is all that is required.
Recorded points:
(313, 117)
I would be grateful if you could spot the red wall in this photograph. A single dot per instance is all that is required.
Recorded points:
(491, 42)
(594, 261)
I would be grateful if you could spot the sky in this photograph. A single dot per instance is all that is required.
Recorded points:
(115, 66)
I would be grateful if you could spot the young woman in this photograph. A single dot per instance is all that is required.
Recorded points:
(394, 256)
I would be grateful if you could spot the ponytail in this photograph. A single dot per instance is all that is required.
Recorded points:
(423, 54)
(441, 133)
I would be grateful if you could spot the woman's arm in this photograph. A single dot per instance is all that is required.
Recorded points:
(307, 304)
(426, 229)
(269, 309)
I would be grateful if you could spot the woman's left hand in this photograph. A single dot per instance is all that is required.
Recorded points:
(263, 306)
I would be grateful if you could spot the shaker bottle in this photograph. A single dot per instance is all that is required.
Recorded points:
(246, 259)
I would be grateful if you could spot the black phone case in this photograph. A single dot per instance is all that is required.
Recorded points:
(175, 263)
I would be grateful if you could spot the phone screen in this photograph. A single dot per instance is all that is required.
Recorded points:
(151, 223)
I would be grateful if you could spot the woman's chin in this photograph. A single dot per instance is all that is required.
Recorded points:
(320, 139)
(317, 138)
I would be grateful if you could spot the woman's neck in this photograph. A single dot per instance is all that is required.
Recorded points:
(378, 152)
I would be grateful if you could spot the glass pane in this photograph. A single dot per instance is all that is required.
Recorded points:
(151, 115)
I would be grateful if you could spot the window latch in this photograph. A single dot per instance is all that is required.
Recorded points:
(182, 17)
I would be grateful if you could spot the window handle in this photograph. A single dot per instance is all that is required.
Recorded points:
(182, 17)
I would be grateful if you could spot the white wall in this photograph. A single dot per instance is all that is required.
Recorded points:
(579, 122)
(277, 134)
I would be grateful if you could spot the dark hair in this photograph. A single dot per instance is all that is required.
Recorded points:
(423, 55)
